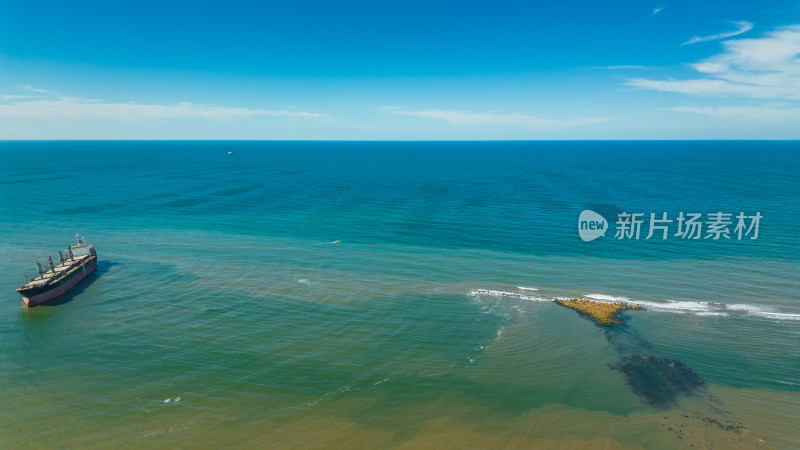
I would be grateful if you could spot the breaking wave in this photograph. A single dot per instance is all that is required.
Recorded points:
(712, 313)
(493, 293)
(762, 311)
(705, 309)
(607, 298)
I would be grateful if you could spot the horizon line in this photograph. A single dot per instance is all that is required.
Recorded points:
(396, 140)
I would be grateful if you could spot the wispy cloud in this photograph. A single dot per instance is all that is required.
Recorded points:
(766, 67)
(30, 88)
(654, 13)
(741, 27)
(17, 97)
(766, 114)
(718, 88)
(760, 68)
(81, 108)
(460, 118)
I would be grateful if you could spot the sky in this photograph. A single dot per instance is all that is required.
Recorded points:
(410, 70)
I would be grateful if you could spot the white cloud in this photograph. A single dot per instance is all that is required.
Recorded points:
(767, 114)
(717, 88)
(766, 67)
(655, 11)
(742, 27)
(17, 97)
(28, 87)
(80, 108)
(459, 118)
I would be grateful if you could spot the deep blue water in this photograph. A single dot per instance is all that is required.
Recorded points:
(505, 196)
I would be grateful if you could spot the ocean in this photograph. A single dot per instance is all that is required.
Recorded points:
(225, 313)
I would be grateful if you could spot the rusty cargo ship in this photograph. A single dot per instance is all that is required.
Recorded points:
(55, 280)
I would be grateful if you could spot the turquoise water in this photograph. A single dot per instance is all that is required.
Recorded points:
(219, 284)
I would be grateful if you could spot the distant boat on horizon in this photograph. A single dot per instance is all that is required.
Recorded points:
(56, 280)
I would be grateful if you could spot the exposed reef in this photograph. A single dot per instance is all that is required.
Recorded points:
(602, 313)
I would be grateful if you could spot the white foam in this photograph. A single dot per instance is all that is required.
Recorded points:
(302, 281)
(706, 309)
(509, 294)
(779, 316)
(712, 314)
(719, 310)
(746, 308)
(607, 298)
(526, 288)
(382, 381)
(762, 311)
(677, 306)
(672, 306)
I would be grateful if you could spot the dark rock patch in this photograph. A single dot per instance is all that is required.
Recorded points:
(657, 380)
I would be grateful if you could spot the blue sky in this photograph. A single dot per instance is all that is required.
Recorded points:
(406, 70)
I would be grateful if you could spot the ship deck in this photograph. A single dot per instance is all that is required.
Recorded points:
(63, 267)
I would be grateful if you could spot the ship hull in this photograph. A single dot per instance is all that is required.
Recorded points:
(37, 296)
